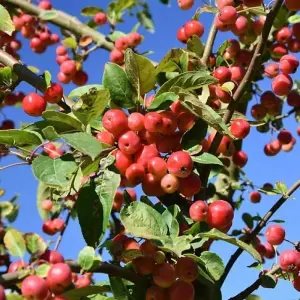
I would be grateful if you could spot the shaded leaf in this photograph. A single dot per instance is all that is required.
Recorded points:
(162, 101)
(64, 118)
(213, 264)
(207, 159)
(35, 244)
(17, 137)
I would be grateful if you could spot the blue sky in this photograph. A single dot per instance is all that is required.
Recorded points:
(260, 168)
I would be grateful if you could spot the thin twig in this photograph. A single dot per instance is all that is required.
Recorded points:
(14, 165)
(59, 239)
(238, 95)
(210, 42)
(258, 229)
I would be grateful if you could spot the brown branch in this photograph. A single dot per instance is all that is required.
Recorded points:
(238, 95)
(9, 279)
(210, 42)
(65, 21)
(28, 76)
(258, 229)
(254, 286)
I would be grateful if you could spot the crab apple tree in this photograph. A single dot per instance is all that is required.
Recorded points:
(154, 162)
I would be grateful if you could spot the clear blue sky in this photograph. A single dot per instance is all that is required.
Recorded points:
(260, 168)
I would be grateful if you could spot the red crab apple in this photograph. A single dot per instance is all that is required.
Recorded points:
(181, 290)
(289, 260)
(54, 93)
(180, 164)
(186, 269)
(255, 197)
(100, 18)
(34, 287)
(185, 4)
(164, 275)
(292, 5)
(59, 277)
(34, 104)
(155, 293)
(198, 211)
(169, 183)
(115, 121)
(275, 235)
(240, 128)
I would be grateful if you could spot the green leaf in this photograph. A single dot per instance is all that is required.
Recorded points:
(141, 220)
(247, 218)
(188, 81)
(43, 193)
(47, 76)
(218, 235)
(54, 172)
(116, 34)
(145, 19)
(121, 90)
(42, 270)
(253, 297)
(17, 137)
(6, 208)
(213, 264)
(64, 118)
(205, 112)
(14, 297)
(50, 133)
(48, 15)
(6, 77)
(84, 143)
(268, 281)
(94, 206)
(35, 244)
(33, 69)
(163, 101)
(86, 258)
(119, 288)
(281, 187)
(195, 45)
(91, 105)
(170, 217)
(15, 243)
(141, 67)
(294, 19)
(82, 90)
(207, 159)
(70, 42)
(90, 11)
(170, 61)
(6, 24)
(77, 294)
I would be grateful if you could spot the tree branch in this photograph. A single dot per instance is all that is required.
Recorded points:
(258, 228)
(59, 239)
(210, 42)
(28, 76)
(65, 21)
(254, 286)
(9, 279)
(238, 95)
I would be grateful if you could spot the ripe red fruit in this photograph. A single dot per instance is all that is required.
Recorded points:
(289, 260)
(59, 277)
(63, 78)
(271, 70)
(82, 282)
(220, 214)
(122, 43)
(186, 121)
(2, 293)
(148, 248)
(186, 269)
(181, 290)
(36, 43)
(240, 26)
(283, 35)
(296, 283)
(136, 121)
(275, 235)
(143, 265)
(292, 5)
(134, 39)
(118, 201)
(47, 205)
(7, 124)
(34, 287)
(190, 185)
(237, 73)
(164, 275)
(258, 111)
(269, 100)
(288, 64)
(117, 56)
(131, 244)
(269, 251)
(223, 74)
(152, 186)
(60, 59)
(34, 104)
(240, 158)
(185, 4)
(44, 4)
(193, 27)
(80, 78)
(240, 128)
(258, 25)
(115, 121)
(68, 68)
(180, 164)
(155, 293)
(293, 99)
(106, 138)
(53, 93)
(169, 183)
(282, 84)
(157, 167)
(58, 224)
(153, 122)
(255, 197)
(146, 153)
(181, 35)
(223, 3)
(61, 50)
(169, 123)
(129, 142)
(198, 211)
(52, 256)
(123, 161)
(285, 137)
(17, 266)
(228, 15)
(135, 174)
(100, 18)
(222, 26)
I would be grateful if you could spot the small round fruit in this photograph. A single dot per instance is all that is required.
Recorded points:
(59, 277)
(240, 128)
(289, 260)
(105, 137)
(164, 275)
(198, 211)
(169, 183)
(189, 186)
(180, 164)
(155, 293)
(284, 137)
(129, 142)
(54, 93)
(181, 290)
(34, 105)
(157, 167)
(275, 235)
(255, 197)
(115, 121)
(186, 269)
(34, 287)
(136, 121)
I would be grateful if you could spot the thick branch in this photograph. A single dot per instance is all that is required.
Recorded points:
(65, 21)
(258, 228)
(210, 42)
(11, 278)
(238, 95)
(254, 286)
(24, 74)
